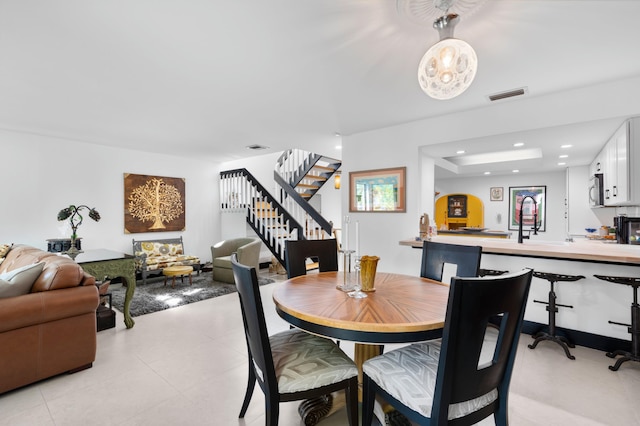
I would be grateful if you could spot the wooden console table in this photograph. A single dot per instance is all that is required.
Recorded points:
(111, 264)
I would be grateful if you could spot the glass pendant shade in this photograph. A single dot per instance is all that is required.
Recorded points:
(449, 66)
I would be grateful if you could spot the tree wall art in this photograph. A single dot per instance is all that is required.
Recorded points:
(153, 203)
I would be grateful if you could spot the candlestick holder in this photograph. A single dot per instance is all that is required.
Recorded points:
(346, 270)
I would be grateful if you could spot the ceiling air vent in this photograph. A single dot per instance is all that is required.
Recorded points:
(257, 147)
(508, 94)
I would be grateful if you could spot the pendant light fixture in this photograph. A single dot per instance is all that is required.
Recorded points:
(450, 65)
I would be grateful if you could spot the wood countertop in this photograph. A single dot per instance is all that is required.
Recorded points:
(580, 250)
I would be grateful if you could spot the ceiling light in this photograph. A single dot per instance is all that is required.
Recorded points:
(565, 146)
(561, 164)
(518, 144)
(487, 173)
(462, 151)
(516, 171)
(563, 156)
(450, 65)
(257, 147)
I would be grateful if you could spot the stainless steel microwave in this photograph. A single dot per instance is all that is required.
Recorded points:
(596, 190)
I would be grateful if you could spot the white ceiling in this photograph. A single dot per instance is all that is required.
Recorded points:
(206, 78)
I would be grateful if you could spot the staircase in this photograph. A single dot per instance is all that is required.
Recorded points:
(298, 176)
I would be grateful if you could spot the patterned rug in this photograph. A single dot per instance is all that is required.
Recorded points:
(155, 296)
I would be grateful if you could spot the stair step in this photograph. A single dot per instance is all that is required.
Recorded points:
(315, 177)
(325, 168)
(306, 185)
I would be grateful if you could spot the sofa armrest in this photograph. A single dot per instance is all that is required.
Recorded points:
(41, 307)
(223, 248)
(249, 254)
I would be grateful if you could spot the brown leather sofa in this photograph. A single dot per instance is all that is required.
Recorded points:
(51, 330)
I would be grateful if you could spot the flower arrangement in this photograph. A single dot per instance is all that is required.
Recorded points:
(75, 219)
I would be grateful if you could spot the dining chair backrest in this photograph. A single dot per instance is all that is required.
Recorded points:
(437, 256)
(472, 303)
(298, 251)
(291, 365)
(254, 324)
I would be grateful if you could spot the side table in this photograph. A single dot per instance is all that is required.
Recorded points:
(103, 264)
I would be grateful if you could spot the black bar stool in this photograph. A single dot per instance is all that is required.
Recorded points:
(553, 308)
(634, 327)
(490, 272)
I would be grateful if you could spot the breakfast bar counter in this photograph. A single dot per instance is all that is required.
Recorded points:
(580, 250)
(595, 302)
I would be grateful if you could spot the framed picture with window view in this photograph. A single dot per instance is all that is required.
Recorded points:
(378, 191)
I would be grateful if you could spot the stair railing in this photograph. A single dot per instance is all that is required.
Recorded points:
(292, 165)
(241, 192)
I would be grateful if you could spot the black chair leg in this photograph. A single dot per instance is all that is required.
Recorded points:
(251, 384)
(368, 400)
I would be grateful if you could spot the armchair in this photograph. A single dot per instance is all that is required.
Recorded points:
(247, 249)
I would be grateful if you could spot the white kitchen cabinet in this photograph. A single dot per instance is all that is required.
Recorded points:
(597, 166)
(621, 188)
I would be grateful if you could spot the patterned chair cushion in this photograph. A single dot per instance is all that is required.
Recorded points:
(161, 262)
(409, 375)
(304, 361)
(152, 249)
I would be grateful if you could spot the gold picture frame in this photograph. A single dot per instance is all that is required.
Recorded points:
(378, 191)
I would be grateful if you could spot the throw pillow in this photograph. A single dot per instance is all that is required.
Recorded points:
(19, 281)
(4, 249)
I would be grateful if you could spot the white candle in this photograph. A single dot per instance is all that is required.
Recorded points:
(345, 237)
(357, 238)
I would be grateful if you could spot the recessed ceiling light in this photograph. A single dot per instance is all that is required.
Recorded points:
(460, 151)
(563, 156)
(566, 146)
(516, 171)
(518, 144)
(487, 173)
(256, 147)
(338, 146)
(337, 134)
(561, 164)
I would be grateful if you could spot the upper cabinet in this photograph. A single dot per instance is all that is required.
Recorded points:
(617, 160)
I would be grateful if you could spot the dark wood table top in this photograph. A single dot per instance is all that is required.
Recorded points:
(402, 309)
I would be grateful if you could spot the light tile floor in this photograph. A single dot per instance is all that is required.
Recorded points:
(188, 366)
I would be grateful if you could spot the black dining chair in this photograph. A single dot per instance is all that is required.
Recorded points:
(436, 255)
(291, 365)
(325, 252)
(464, 377)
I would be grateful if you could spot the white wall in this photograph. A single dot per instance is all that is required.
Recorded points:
(555, 183)
(402, 146)
(42, 175)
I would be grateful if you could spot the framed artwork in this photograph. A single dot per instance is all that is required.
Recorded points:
(153, 203)
(527, 203)
(378, 191)
(495, 193)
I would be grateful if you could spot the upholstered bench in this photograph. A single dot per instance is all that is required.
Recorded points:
(152, 256)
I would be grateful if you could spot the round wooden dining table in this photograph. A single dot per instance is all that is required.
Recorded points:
(402, 309)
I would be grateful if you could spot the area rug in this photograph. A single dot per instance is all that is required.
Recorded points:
(155, 296)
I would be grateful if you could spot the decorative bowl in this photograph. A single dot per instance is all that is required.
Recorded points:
(590, 230)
